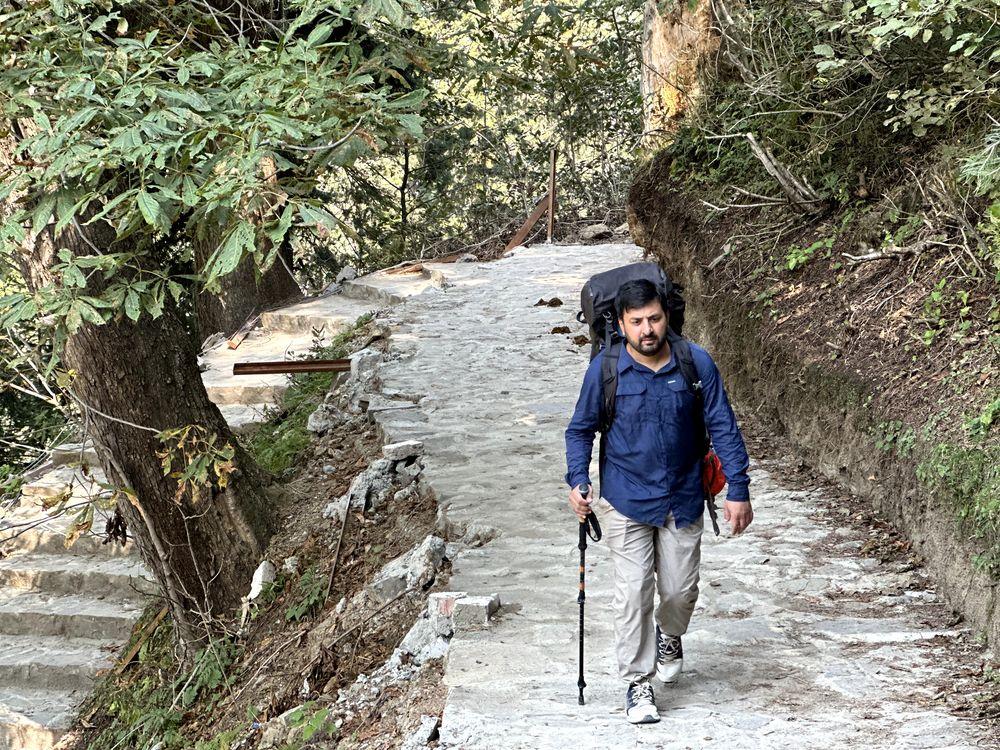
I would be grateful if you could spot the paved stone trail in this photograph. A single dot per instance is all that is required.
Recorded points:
(771, 661)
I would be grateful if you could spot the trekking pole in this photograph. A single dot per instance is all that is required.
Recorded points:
(588, 526)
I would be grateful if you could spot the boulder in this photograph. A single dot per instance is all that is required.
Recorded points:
(265, 573)
(404, 450)
(416, 568)
(595, 232)
(422, 643)
(325, 418)
(347, 273)
(424, 734)
(364, 364)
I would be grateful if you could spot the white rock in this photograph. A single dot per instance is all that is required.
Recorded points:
(347, 273)
(474, 612)
(337, 509)
(421, 643)
(595, 232)
(427, 732)
(413, 569)
(404, 450)
(466, 258)
(290, 564)
(325, 418)
(265, 573)
(364, 364)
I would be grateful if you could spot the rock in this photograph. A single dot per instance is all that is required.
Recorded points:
(290, 564)
(452, 550)
(277, 732)
(413, 569)
(329, 469)
(422, 643)
(622, 228)
(404, 450)
(364, 364)
(325, 418)
(408, 473)
(466, 258)
(441, 611)
(332, 288)
(595, 232)
(474, 612)
(477, 534)
(347, 273)
(337, 509)
(405, 495)
(420, 737)
(265, 573)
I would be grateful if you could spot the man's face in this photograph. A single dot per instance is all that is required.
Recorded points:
(645, 328)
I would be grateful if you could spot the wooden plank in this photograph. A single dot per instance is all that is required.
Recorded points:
(237, 338)
(148, 631)
(529, 223)
(290, 367)
(552, 196)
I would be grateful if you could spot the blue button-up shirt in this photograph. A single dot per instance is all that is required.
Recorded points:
(652, 462)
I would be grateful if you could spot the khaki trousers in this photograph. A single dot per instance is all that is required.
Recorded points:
(644, 557)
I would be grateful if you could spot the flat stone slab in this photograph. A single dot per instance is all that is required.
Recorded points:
(224, 388)
(29, 612)
(75, 574)
(770, 660)
(34, 662)
(330, 315)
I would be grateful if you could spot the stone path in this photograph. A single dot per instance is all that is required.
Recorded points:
(65, 613)
(797, 642)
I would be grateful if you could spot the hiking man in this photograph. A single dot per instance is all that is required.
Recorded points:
(652, 500)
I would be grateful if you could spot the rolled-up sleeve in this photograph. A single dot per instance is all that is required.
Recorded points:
(583, 427)
(727, 440)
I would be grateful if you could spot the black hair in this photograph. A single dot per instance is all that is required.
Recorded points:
(635, 294)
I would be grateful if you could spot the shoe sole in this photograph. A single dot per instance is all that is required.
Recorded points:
(669, 673)
(644, 720)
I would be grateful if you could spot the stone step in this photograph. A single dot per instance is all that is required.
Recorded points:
(260, 345)
(330, 315)
(76, 574)
(241, 415)
(33, 613)
(30, 529)
(81, 485)
(52, 663)
(35, 719)
(387, 288)
(73, 454)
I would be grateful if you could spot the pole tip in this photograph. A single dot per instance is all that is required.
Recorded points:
(581, 698)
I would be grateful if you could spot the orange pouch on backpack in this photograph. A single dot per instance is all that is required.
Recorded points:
(712, 478)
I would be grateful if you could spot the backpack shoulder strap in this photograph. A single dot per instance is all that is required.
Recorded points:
(681, 349)
(609, 380)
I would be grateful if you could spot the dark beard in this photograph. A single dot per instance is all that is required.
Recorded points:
(647, 348)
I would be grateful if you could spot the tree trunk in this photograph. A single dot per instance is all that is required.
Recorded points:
(242, 294)
(202, 552)
(133, 380)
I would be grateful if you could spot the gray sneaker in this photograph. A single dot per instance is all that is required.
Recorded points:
(639, 706)
(669, 656)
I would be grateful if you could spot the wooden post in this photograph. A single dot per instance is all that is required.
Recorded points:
(552, 194)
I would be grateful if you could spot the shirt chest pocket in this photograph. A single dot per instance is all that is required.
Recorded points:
(633, 404)
(677, 400)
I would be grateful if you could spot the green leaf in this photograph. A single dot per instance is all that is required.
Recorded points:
(132, 307)
(239, 241)
(824, 50)
(152, 212)
(43, 212)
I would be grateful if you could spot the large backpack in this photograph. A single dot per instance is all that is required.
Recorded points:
(597, 310)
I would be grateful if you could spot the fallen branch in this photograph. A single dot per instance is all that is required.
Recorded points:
(799, 192)
(890, 252)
